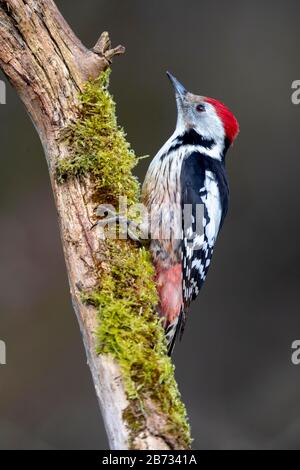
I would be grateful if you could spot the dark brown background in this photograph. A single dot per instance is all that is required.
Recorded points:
(233, 366)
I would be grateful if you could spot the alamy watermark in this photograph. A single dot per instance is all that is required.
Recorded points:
(295, 96)
(296, 352)
(2, 92)
(161, 222)
(2, 353)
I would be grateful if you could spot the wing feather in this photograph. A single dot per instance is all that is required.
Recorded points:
(205, 192)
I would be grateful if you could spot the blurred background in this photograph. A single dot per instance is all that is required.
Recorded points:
(234, 364)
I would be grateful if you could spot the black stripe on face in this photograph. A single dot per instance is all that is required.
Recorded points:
(191, 137)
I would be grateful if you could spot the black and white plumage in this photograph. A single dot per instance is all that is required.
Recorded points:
(186, 175)
(203, 183)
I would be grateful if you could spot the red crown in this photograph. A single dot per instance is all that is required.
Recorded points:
(230, 123)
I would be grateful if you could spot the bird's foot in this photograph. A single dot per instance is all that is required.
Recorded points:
(130, 227)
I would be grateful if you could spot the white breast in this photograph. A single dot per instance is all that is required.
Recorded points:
(162, 194)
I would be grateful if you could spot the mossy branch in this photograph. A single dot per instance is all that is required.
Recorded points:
(65, 90)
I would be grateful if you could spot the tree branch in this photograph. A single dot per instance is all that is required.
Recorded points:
(49, 66)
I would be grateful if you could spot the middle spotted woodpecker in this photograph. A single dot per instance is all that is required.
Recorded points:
(189, 170)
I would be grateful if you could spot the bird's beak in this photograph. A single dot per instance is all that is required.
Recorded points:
(180, 91)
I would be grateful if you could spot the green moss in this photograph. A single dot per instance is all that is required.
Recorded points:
(129, 328)
(131, 331)
(98, 146)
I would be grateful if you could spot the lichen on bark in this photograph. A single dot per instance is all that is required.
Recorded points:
(125, 297)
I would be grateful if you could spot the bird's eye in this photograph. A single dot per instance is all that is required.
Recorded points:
(200, 108)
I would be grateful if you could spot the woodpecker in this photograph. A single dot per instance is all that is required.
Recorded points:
(189, 170)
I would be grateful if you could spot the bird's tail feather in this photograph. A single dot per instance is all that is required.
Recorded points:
(174, 330)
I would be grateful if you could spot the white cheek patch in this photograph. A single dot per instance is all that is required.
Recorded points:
(210, 126)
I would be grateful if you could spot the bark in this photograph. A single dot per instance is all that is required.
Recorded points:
(48, 66)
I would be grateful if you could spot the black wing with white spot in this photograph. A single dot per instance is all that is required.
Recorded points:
(205, 194)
